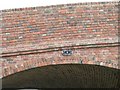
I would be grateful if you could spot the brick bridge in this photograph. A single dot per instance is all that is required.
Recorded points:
(81, 33)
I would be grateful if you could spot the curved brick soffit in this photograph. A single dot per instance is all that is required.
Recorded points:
(109, 56)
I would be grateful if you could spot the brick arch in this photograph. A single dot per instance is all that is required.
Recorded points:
(80, 55)
(35, 37)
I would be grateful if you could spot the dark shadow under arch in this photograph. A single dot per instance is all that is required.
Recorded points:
(64, 76)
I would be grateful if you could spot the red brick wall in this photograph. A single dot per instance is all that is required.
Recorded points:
(51, 25)
(48, 27)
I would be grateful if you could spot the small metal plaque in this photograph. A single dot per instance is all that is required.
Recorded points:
(67, 52)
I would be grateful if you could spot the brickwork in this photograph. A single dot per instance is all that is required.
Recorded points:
(82, 56)
(35, 36)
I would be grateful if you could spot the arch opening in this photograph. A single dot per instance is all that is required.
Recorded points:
(64, 76)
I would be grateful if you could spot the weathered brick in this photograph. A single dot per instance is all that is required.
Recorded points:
(80, 25)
